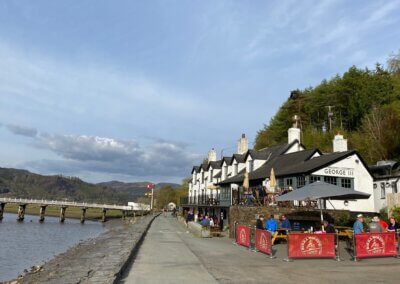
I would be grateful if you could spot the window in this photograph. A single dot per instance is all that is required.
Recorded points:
(394, 187)
(225, 171)
(383, 191)
(281, 182)
(346, 183)
(289, 182)
(211, 175)
(251, 165)
(314, 179)
(202, 177)
(235, 169)
(301, 181)
(331, 180)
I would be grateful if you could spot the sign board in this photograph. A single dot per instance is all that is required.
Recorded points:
(263, 241)
(311, 245)
(375, 244)
(243, 235)
(336, 172)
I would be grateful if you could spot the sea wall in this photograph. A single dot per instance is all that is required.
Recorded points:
(99, 260)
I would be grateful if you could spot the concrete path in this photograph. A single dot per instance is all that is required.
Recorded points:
(165, 257)
(171, 255)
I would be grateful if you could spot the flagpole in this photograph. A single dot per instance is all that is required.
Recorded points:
(152, 193)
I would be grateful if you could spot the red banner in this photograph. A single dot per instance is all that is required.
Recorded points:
(243, 235)
(375, 244)
(263, 241)
(311, 245)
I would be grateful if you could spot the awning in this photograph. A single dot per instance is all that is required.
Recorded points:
(323, 190)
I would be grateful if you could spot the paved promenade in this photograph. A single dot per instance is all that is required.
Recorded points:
(171, 255)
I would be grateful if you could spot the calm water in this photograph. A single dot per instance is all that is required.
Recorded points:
(23, 245)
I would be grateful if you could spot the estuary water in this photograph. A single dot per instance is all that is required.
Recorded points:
(29, 243)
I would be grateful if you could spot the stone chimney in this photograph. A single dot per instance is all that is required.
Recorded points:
(243, 145)
(339, 143)
(212, 155)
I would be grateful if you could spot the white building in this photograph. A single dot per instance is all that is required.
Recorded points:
(294, 167)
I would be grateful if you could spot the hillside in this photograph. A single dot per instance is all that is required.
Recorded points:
(24, 184)
(362, 104)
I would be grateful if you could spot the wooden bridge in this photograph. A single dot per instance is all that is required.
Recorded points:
(63, 207)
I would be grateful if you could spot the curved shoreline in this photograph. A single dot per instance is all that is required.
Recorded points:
(100, 260)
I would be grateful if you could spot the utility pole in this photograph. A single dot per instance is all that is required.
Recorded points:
(151, 186)
(330, 115)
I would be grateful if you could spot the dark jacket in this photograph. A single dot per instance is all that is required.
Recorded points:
(330, 229)
(259, 224)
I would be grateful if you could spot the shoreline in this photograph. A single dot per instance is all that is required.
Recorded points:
(101, 259)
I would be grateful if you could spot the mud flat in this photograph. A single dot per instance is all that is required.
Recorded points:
(98, 260)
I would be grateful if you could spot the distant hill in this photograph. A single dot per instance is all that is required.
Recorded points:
(24, 184)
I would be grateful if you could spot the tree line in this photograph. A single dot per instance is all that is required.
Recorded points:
(362, 104)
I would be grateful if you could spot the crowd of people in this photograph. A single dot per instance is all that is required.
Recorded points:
(203, 219)
(272, 225)
(376, 225)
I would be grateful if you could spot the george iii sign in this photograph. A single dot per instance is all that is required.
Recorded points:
(336, 171)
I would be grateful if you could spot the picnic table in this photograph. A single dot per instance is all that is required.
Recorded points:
(345, 232)
(279, 234)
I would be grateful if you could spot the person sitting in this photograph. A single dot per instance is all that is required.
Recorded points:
(393, 227)
(285, 224)
(205, 222)
(271, 224)
(260, 222)
(375, 226)
(358, 224)
(383, 224)
(328, 228)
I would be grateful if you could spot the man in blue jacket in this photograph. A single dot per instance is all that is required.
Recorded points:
(271, 224)
(285, 223)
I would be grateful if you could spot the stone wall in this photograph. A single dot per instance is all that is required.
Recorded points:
(393, 200)
(247, 215)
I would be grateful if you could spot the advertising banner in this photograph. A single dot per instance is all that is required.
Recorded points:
(263, 241)
(311, 245)
(375, 244)
(243, 235)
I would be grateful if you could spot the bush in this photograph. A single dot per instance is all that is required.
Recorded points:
(396, 213)
(344, 219)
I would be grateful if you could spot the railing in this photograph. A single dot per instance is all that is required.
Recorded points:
(210, 200)
(65, 203)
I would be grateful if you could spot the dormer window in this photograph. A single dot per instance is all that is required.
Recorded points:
(251, 165)
(235, 169)
(211, 175)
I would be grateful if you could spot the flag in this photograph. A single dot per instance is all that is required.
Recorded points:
(150, 186)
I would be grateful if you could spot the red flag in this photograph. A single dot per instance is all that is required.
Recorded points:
(150, 186)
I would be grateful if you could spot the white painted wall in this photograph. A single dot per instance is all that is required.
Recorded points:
(294, 148)
(379, 201)
(363, 181)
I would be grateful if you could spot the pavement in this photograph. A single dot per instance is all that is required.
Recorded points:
(170, 254)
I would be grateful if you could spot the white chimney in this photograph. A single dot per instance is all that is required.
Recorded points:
(293, 134)
(243, 145)
(339, 143)
(212, 155)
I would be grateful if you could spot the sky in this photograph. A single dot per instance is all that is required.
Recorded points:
(141, 90)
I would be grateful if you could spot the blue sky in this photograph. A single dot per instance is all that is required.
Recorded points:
(141, 90)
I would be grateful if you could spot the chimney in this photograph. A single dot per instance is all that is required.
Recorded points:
(294, 131)
(212, 155)
(243, 145)
(339, 143)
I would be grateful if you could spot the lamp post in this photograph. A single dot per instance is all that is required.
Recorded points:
(151, 186)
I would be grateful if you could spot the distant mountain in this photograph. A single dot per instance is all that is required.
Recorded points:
(24, 184)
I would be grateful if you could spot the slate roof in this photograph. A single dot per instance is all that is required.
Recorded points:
(215, 165)
(269, 152)
(240, 158)
(279, 163)
(228, 160)
(196, 168)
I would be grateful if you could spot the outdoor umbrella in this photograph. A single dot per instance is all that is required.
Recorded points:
(246, 180)
(322, 190)
(272, 179)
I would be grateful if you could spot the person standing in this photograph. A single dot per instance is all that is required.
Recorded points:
(383, 224)
(285, 223)
(375, 226)
(260, 222)
(393, 227)
(358, 224)
(271, 225)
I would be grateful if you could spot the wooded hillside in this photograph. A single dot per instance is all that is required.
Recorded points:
(365, 107)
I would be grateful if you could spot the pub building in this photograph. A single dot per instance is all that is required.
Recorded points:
(214, 183)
